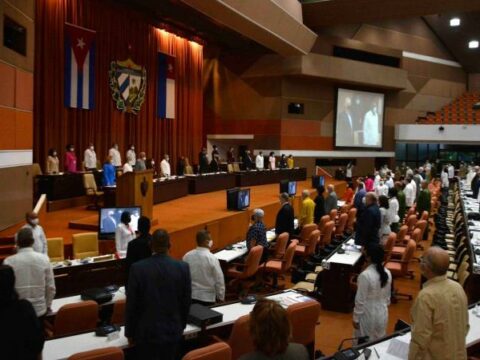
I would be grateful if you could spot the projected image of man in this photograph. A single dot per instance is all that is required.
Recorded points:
(370, 126)
(345, 124)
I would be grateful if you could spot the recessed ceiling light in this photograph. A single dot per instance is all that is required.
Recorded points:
(455, 21)
(473, 44)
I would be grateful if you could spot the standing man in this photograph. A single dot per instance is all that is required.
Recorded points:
(158, 302)
(307, 211)
(131, 156)
(424, 204)
(345, 124)
(230, 155)
(165, 166)
(140, 165)
(331, 200)
(358, 199)
(451, 173)
(208, 283)
(90, 158)
(115, 154)
(34, 279)
(259, 161)
(284, 221)
(410, 192)
(402, 202)
(370, 127)
(215, 159)
(440, 312)
(40, 240)
(368, 225)
(203, 161)
(139, 248)
(248, 162)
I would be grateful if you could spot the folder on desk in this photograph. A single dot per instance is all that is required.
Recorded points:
(203, 316)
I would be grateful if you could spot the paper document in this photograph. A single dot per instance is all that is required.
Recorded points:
(398, 349)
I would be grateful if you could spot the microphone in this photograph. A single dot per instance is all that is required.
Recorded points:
(360, 339)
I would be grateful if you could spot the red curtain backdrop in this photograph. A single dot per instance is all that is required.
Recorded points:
(118, 29)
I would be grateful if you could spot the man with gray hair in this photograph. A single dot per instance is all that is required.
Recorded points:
(368, 224)
(331, 199)
(440, 312)
(34, 279)
(257, 233)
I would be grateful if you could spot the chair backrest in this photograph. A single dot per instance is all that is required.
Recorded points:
(229, 168)
(333, 214)
(108, 353)
(76, 318)
(312, 242)
(327, 234)
(422, 225)
(89, 184)
(352, 215)
(408, 256)
(36, 170)
(118, 314)
(252, 261)
(392, 237)
(306, 231)
(240, 340)
(236, 167)
(55, 249)
(85, 245)
(289, 254)
(410, 211)
(424, 215)
(303, 318)
(323, 221)
(281, 245)
(216, 351)
(402, 233)
(342, 222)
(188, 170)
(417, 235)
(411, 221)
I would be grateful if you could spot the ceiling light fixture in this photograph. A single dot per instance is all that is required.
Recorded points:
(455, 21)
(473, 44)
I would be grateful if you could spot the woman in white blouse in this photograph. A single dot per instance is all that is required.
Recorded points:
(385, 220)
(393, 207)
(124, 233)
(370, 315)
(271, 161)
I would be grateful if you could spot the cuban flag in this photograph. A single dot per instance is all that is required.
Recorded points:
(79, 67)
(166, 87)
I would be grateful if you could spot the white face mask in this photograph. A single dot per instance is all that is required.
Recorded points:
(72, 149)
(364, 202)
(210, 244)
(34, 221)
(92, 148)
(153, 162)
(132, 148)
(54, 154)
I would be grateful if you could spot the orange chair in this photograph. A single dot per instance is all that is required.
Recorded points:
(108, 353)
(400, 268)
(340, 228)
(281, 245)
(216, 351)
(118, 314)
(323, 221)
(333, 214)
(74, 318)
(326, 237)
(307, 249)
(424, 215)
(240, 340)
(352, 215)
(279, 267)
(402, 233)
(303, 319)
(398, 251)
(411, 222)
(392, 237)
(249, 268)
(306, 231)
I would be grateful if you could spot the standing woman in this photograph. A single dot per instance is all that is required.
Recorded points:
(444, 177)
(385, 219)
(70, 159)
(271, 161)
(52, 162)
(109, 172)
(124, 233)
(393, 207)
(349, 172)
(370, 315)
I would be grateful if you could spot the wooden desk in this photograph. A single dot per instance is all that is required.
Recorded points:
(72, 280)
(169, 189)
(198, 184)
(65, 186)
(252, 178)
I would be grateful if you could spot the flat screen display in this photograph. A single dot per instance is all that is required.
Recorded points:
(292, 188)
(243, 199)
(318, 180)
(359, 119)
(109, 218)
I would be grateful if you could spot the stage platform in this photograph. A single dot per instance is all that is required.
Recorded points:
(183, 217)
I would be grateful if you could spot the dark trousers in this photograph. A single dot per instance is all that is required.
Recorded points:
(204, 303)
(150, 351)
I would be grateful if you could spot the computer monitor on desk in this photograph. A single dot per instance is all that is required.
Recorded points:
(109, 219)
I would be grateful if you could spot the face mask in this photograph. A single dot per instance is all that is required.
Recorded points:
(72, 149)
(54, 154)
(144, 159)
(34, 221)
(91, 148)
(210, 244)
(153, 163)
(133, 148)
(364, 201)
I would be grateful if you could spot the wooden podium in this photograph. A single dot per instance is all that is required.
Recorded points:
(136, 189)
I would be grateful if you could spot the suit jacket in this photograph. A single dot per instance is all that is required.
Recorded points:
(474, 185)
(319, 208)
(368, 226)
(203, 163)
(158, 301)
(345, 130)
(423, 202)
(247, 161)
(138, 249)
(358, 202)
(284, 220)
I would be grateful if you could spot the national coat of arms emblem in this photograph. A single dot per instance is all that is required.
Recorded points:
(128, 82)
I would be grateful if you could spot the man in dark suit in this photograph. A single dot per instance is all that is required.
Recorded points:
(345, 125)
(248, 161)
(203, 166)
(108, 223)
(368, 224)
(285, 216)
(158, 302)
(358, 199)
(139, 248)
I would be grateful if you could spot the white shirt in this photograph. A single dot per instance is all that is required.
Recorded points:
(271, 161)
(451, 172)
(131, 157)
(409, 194)
(127, 168)
(370, 129)
(414, 184)
(470, 176)
(116, 157)
(259, 161)
(208, 283)
(348, 172)
(90, 159)
(40, 240)
(393, 207)
(445, 182)
(390, 183)
(165, 168)
(376, 181)
(34, 279)
(371, 303)
(381, 190)
(123, 235)
(385, 222)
